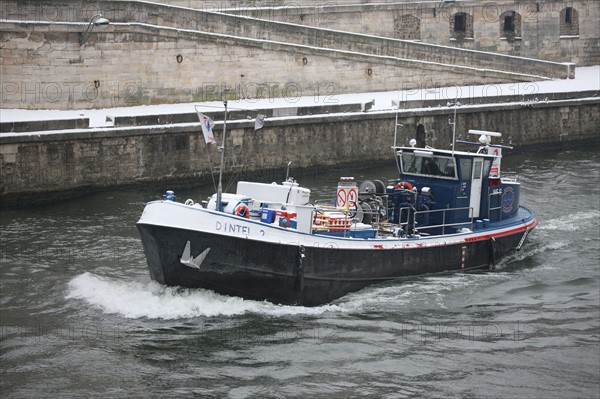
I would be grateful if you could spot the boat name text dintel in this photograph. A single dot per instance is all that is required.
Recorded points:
(232, 228)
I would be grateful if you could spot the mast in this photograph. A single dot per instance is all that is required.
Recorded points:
(396, 124)
(453, 123)
(220, 186)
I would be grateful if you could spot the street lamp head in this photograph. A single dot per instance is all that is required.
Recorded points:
(97, 20)
(101, 21)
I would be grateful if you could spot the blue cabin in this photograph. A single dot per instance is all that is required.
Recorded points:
(444, 191)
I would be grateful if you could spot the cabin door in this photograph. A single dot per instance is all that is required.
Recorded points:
(476, 181)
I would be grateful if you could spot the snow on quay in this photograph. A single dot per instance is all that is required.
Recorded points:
(586, 79)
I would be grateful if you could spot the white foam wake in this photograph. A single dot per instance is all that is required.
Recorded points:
(572, 222)
(134, 299)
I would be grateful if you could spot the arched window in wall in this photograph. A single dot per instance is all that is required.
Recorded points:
(407, 27)
(461, 26)
(510, 25)
(569, 22)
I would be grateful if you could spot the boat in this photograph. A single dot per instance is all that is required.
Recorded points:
(448, 211)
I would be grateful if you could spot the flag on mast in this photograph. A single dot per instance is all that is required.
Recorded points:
(207, 125)
(259, 122)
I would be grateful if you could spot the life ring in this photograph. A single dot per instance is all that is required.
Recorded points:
(403, 185)
(242, 210)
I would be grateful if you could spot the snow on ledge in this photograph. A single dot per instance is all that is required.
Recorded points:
(586, 79)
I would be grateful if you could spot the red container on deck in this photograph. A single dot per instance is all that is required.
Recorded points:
(284, 214)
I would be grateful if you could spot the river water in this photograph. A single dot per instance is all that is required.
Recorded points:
(80, 317)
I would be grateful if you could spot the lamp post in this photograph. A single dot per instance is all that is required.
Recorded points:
(97, 20)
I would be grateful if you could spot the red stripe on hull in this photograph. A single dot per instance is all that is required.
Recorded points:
(530, 225)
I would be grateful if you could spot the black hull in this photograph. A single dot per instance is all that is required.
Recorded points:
(296, 275)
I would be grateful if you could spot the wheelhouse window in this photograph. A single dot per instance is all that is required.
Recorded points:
(477, 169)
(466, 168)
(428, 165)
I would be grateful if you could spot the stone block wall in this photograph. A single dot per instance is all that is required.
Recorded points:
(156, 54)
(44, 67)
(544, 33)
(242, 5)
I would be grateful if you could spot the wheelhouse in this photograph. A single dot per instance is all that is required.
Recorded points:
(457, 187)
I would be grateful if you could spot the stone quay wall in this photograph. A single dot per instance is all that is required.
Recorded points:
(153, 53)
(58, 164)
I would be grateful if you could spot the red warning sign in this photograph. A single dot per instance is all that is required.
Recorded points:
(353, 196)
(341, 198)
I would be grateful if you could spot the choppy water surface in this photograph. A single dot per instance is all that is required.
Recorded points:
(81, 318)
